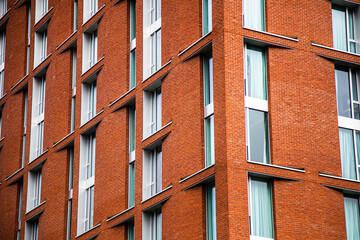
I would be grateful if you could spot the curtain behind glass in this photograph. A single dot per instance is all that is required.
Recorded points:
(343, 93)
(352, 218)
(261, 209)
(259, 147)
(256, 73)
(255, 14)
(339, 27)
(347, 153)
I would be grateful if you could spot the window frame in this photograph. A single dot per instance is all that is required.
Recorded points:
(210, 194)
(263, 13)
(206, 16)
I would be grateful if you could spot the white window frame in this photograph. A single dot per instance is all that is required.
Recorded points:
(37, 117)
(75, 20)
(32, 230)
(152, 172)
(257, 104)
(24, 133)
(3, 7)
(132, 54)
(152, 225)
(152, 109)
(28, 38)
(40, 51)
(88, 99)
(245, 24)
(151, 37)
(73, 83)
(34, 189)
(206, 4)
(41, 9)
(132, 125)
(86, 182)
(210, 204)
(2, 60)
(21, 186)
(90, 7)
(90, 49)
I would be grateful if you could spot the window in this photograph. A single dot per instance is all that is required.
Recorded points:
(209, 111)
(19, 210)
(0, 121)
(86, 182)
(40, 46)
(37, 117)
(132, 44)
(131, 231)
(254, 14)
(89, 50)
(28, 38)
(152, 174)
(73, 102)
(210, 212)
(24, 133)
(256, 106)
(152, 108)
(131, 180)
(32, 229)
(90, 8)
(88, 101)
(152, 225)
(206, 16)
(152, 37)
(75, 14)
(2, 61)
(71, 175)
(348, 105)
(345, 22)
(41, 9)
(34, 189)
(261, 215)
(352, 217)
(3, 7)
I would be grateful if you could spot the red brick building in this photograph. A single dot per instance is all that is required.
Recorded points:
(167, 119)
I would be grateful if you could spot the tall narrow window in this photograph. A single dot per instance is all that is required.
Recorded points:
(40, 53)
(89, 49)
(207, 16)
(19, 210)
(34, 189)
(28, 38)
(256, 106)
(152, 167)
(345, 22)
(156, 110)
(254, 14)
(152, 109)
(73, 102)
(75, 14)
(152, 225)
(3, 7)
(71, 174)
(41, 9)
(24, 133)
(210, 212)
(352, 217)
(132, 43)
(0, 121)
(90, 8)
(131, 156)
(152, 37)
(88, 104)
(261, 215)
(2, 61)
(131, 231)
(86, 182)
(37, 118)
(32, 230)
(348, 105)
(209, 111)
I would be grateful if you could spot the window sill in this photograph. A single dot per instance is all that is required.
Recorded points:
(273, 34)
(122, 96)
(63, 139)
(323, 174)
(40, 63)
(3, 96)
(93, 16)
(194, 174)
(14, 174)
(92, 67)
(18, 83)
(260, 238)
(119, 214)
(193, 44)
(334, 49)
(157, 194)
(102, 110)
(61, 44)
(41, 155)
(44, 16)
(98, 225)
(295, 169)
(168, 124)
(162, 67)
(3, 16)
(35, 207)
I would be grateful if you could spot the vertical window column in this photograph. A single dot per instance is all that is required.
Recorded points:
(206, 16)
(88, 99)
(34, 188)
(71, 174)
(73, 102)
(28, 38)
(24, 133)
(2, 61)
(152, 108)
(75, 15)
(131, 180)
(209, 111)
(40, 48)
(210, 212)
(19, 210)
(132, 44)
(90, 45)
(256, 105)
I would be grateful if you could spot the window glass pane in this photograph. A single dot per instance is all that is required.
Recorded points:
(354, 85)
(352, 218)
(158, 170)
(255, 14)
(209, 141)
(71, 167)
(208, 79)
(258, 130)
(261, 209)
(131, 184)
(131, 231)
(347, 153)
(211, 212)
(351, 24)
(256, 73)
(132, 128)
(132, 19)
(158, 49)
(343, 93)
(158, 108)
(132, 68)
(72, 125)
(357, 139)
(339, 27)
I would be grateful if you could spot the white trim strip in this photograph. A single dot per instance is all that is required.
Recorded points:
(118, 214)
(273, 34)
(194, 174)
(278, 166)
